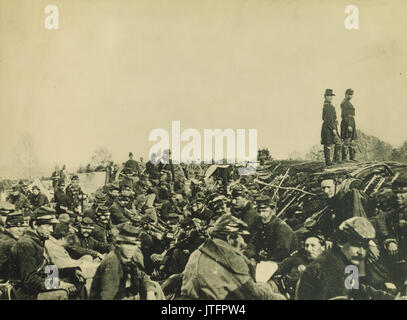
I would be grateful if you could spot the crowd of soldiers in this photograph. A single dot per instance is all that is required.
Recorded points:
(150, 234)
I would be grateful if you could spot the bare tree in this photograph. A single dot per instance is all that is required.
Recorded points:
(24, 160)
(100, 157)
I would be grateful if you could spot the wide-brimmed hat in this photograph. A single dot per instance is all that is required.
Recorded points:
(329, 92)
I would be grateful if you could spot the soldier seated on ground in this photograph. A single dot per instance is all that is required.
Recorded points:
(31, 262)
(243, 208)
(172, 208)
(218, 270)
(326, 277)
(121, 210)
(217, 204)
(75, 195)
(18, 199)
(24, 189)
(5, 209)
(392, 232)
(291, 268)
(60, 198)
(13, 230)
(82, 243)
(113, 191)
(121, 274)
(99, 200)
(342, 203)
(273, 240)
(37, 198)
(103, 231)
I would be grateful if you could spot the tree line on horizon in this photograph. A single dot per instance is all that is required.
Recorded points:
(369, 148)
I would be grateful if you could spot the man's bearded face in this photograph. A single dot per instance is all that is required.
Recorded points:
(328, 188)
(354, 253)
(313, 247)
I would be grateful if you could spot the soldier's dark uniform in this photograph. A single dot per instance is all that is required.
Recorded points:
(61, 199)
(55, 177)
(86, 246)
(247, 214)
(75, 195)
(24, 189)
(20, 201)
(118, 212)
(103, 232)
(325, 278)
(38, 200)
(7, 241)
(392, 227)
(348, 128)
(132, 165)
(328, 138)
(276, 239)
(30, 259)
(344, 205)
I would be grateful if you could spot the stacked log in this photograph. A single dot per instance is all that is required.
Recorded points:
(295, 185)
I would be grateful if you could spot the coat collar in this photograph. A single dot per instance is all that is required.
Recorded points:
(31, 233)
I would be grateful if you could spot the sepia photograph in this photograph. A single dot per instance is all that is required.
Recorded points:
(181, 150)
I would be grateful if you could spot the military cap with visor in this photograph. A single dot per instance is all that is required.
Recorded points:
(87, 223)
(128, 234)
(100, 198)
(102, 210)
(265, 201)
(357, 230)
(45, 215)
(239, 190)
(15, 219)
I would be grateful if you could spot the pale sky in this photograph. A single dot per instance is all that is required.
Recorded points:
(115, 70)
